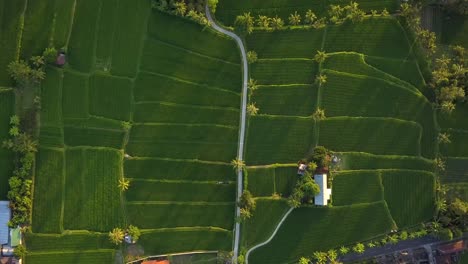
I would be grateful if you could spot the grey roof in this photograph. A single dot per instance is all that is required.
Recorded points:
(4, 218)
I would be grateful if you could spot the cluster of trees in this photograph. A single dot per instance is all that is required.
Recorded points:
(451, 220)
(30, 74)
(449, 79)
(117, 235)
(245, 23)
(20, 183)
(247, 205)
(331, 256)
(412, 19)
(191, 9)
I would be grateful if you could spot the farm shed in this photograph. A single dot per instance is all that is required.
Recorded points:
(5, 215)
(325, 193)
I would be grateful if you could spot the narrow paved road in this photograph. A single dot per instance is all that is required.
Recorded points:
(240, 150)
(269, 239)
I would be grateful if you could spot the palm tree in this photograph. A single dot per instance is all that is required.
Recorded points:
(320, 257)
(344, 250)
(359, 248)
(277, 23)
(319, 114)
(245, 23)
(440, 164)
(180, 8)
(320, 57)
(252, 84)
(304, 260)
(332, 255)
(385, 12)
(444, 138)
(441, 205)
(14, 120)
(310, 17)
(295, 19)
(447, 107)
(238, 164)
(116, 236)
(252, 110)
(252, 57)
(321, 79)
(124, 184)
(263, 21)
(14, 131)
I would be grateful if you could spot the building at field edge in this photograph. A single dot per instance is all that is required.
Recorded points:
(325, 193)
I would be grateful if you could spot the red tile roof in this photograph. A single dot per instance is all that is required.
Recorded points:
(155, 262)
(452, 248)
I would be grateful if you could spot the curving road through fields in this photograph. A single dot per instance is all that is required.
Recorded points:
(240, 149)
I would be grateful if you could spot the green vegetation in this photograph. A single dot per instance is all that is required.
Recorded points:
(323, 222)
(7, 102)
(410, 196)
(356, 187)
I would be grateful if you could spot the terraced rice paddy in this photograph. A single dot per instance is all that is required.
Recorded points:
(181, 100)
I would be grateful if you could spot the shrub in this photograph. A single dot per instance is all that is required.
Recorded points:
(445, 234)
(50, 55)
(134, 232)
(20, 251)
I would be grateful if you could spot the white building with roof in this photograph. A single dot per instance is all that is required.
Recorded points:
(325, 193)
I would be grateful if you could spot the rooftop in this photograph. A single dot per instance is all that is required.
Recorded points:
(5, 215)
(325, 193)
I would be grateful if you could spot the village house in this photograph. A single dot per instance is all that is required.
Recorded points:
(325, 193)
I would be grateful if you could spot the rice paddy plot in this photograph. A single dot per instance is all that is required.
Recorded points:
(51, 98)
(95, 137)
(73, 241)
(458, 145)
(63, 20)
(77, 257)
(354, 187)
(153, 168)
(278, 139)
(110, 97)
(51, 137)
(182, 240)
(406, 70)
(184, 132)
(128, 39)
(284, 71)
(285, 180)
(264, 220)
(92, 195)
(355, 63)
(155, 87)
(382, 37)
(106, 30)
(9, 34)
(37, 31)
(75, 95)
(261, 181)
(190, 114)
(456, 170)
(168, 215)
(175, 31)
(294, 100)
(207, 151)
(366, 161)
(305, 42)
(381, 136)
(410, 196)
(81, 50)
(456, 119)
(48, 191)
(314, 224)
(144, 190)
(189, 66)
